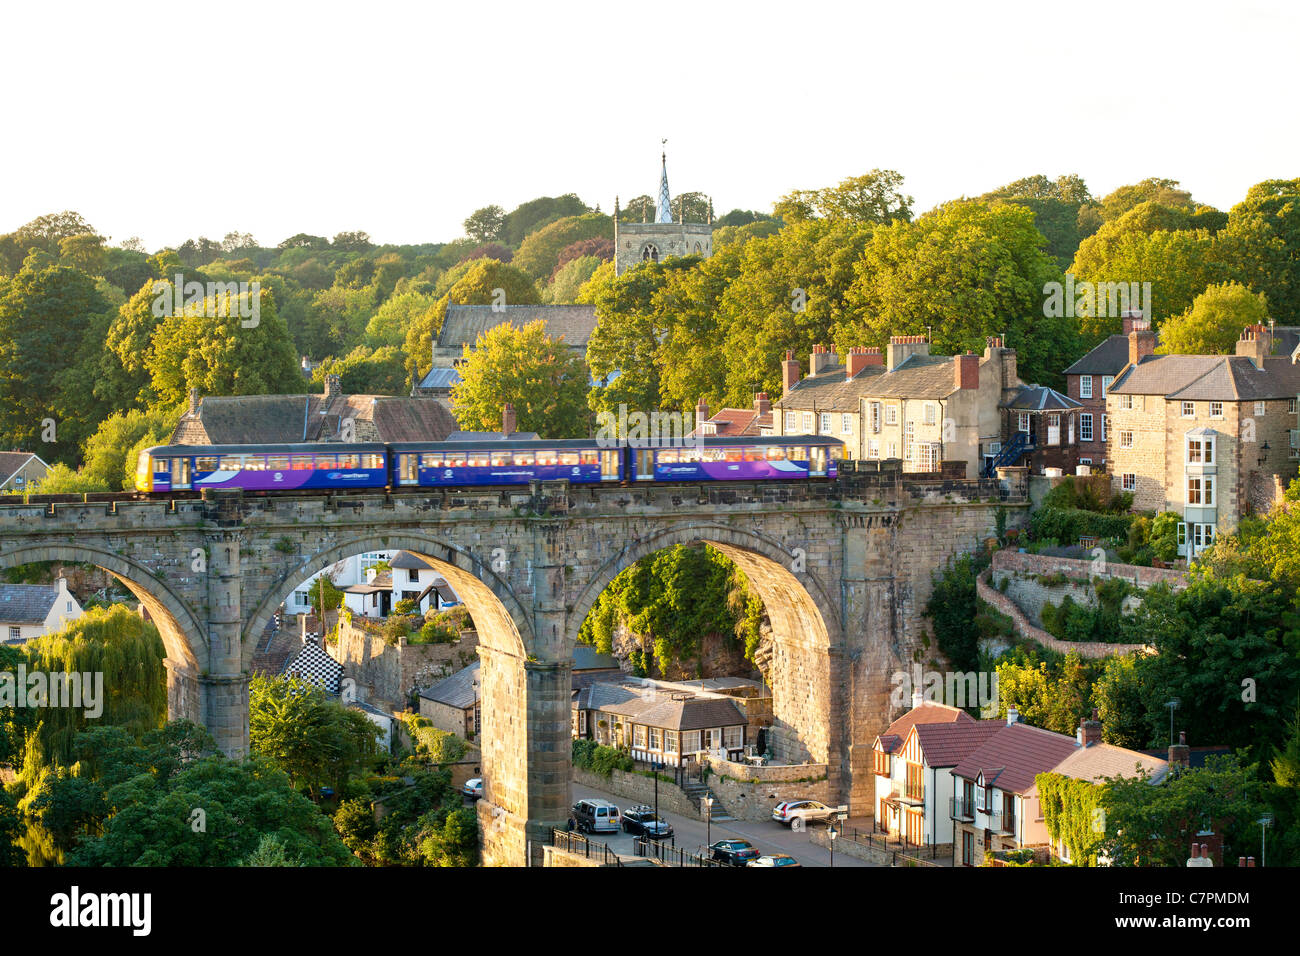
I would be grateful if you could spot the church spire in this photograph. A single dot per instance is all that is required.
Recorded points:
(664, 210)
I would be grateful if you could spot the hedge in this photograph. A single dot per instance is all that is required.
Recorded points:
(598, 758)
(1067, 525)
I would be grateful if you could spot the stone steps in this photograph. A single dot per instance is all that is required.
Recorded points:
(696, 792)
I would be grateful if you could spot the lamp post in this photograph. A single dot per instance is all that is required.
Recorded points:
(708, 821)
(833, 834)
(656, 766)
(1264, 823)
(1173, 706)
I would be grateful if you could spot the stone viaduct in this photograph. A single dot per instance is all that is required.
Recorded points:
(844, 568)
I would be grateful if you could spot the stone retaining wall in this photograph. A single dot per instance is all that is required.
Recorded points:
(749, 793)
(387, 673)
(636, 789)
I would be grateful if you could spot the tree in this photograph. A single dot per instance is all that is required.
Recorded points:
(1213, 323)
(536, 213)
(366, 371)
(876, 197)
(486, 224)
(11, 828)
(690, 207)
(601, 248)
(85, 252)
(539, 254)
(569, 279)
(47, 231)
(952, 608)
(542, 377)
(353, 242)
(1153, 189)
(107, 453)
(270, 852)
(62, 480)
(1260, 246)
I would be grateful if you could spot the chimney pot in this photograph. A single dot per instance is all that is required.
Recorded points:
(194, 401)
(508, 419)
(1250, 861)
(1013, 716)
(789, 373)
(762, 404)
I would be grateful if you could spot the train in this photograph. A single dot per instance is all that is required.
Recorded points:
(336, 466)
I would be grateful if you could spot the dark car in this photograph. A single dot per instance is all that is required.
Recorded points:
(642, 820)
(733, 852)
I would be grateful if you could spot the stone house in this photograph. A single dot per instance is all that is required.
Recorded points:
(29, 611)
(19, 471)
(906, 404)
(1211, 437)
(995, 805)
(452, 704)
(1088, 380)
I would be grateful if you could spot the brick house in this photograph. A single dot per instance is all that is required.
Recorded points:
(1088, 380)
(1048, 421)
(905, 404)
(1211, 437)
(735, 421)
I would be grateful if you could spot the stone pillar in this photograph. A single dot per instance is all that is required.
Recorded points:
(182, 692)
(223, 690)
(224, 703)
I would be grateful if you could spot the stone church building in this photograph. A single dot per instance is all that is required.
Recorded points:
(635, 243)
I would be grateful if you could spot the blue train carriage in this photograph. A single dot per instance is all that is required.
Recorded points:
(262, 468)
(503, 462)
(740, 458)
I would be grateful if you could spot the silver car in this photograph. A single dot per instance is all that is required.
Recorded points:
(803, 811)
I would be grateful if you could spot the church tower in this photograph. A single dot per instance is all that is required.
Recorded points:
(635, 243)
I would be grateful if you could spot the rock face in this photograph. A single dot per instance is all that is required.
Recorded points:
(721, 655)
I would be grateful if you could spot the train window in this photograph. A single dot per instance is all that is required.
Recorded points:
(548, 457)
(668, 456)
(162, 465)
(300, 463)
(229, 463)
(572, 457)
(454, 459)
(407, 472)
(500, 458)
(775, 453)
(687, 455)
(478, 459)
(589, 456)
(254, 463)
(798, 453)
(349, 461)
(523, 458)
(712, 454)
(277, 462)
(326, 461)
(205, 464)
(733, 454)
(430, 461)
(374, 462)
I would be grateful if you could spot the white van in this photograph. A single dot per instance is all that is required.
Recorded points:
(596, 816)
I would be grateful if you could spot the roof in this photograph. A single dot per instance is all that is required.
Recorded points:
(946, 745)
(659, 708)
(315, 666)
(459, 690)
(1225, 378)
(405, 559)
(465, 323)
(738, 421)
(1100, 761)
(929, 712)
(1014, 755)
(285, 419)
(26, 603)
(12, 461)
(440, 378)
(1041, 398)
(1196, 756)
(494, 436)
(587, 658)
(1107, 358)
(918, 376)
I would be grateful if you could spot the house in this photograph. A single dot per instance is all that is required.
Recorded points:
(452, 704)
(1211, 437)
(342, 574)
(33, 610)
(415, 579)
(906, 404)
(659, 720)
(313, 665)
(912, 764)
(465, 323)
(332, 416)
(1088, 381)
(1046, 422)
(19, 471)
(372, 599)
(385, 723)
(992, 808)
(735, 421)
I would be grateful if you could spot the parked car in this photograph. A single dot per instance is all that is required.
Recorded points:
(473, 788)
(596, 816)
(808, 811)
(733, 852)
(642, 820)
(775, 859)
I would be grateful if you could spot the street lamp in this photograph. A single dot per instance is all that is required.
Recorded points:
(708, 820)
(1265, 822)
(1173, 706)
(833, 833)
(656, 766)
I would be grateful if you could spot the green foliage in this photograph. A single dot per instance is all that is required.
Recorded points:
(1069, 524)
(600, 759)
(431, 744)
(423, 823)
(953, 608)
(270, 852)
(1068, 806)
(1213, 322)
(62, 480)
(1048, 690)
(323, 590)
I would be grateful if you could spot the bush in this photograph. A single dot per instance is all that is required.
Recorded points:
(951, 608)
(598, 758)
(1069, 524)
(405, 606)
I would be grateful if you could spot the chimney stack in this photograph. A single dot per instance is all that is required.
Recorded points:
(903, 347)
(1141, 340)
(917, 698)
(333, 386)
(822, 357)
(701, 411)
(860, 358)
(508, 419)
(1090, 730)
(966, 370)
(1013, 716)
(762, 404)
(1180, 755)
(194, 401)
(1256, 343)
(1130, 317)
(789, 373)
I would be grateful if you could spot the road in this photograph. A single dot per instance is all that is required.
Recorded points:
(767, 835)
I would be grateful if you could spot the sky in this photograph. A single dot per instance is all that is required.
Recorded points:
(167, 122)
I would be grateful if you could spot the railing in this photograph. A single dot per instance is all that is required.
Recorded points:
(878, 839)
(577, 843)
(669, 854)
(959, 808)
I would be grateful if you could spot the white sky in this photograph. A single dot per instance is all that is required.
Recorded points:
(169, 121)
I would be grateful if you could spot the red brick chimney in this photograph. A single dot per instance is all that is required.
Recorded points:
(789, 373)
(860, 357)
(966, 370)
(508, 419)
(762, 404)
(1090, 730)
(1129, 317)
(1141, 340)
(1180, 755)
(702, 410)
(1256, 343)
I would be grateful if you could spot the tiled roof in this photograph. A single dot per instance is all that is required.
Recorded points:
(404, 560)
(315, 666)
(26, 603)
(1107, 358)
(1014, 755)
(919, 376)
(945, 745)
(586, 658)
(457, 691)
(1099, 761)
(465, 323)
(281, 419)
(492, 436)
(1041, 398)
(930, 712)
(440, 378)
(11, 461)
(693, 713)
(1225, 378)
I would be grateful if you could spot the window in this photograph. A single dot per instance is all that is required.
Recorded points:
(732, 737)
(1126, 402)
(15, 633)
(846, 424)
(873, 446)
(929, 413)
(1202, 536)
(875, 416)
(909, 440)
(638, 736)
(1085, 386)
(1085, 461)
(893, 449)
(791, 421)
(891, 415)
(690, 741)
(1259, 409)
(1105, 426)
(1128, 482)
(1200, 450)
(1105, 384)
(1290, 407)
(300, 598)
(1189, 409)
(656, 738)
(1216, 409)
(1125, 439)
(826, 423)
(670, 742)
(1085, 427)
(1295, 443)
(808, 423)
(1024, 422)
(1200, 490)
